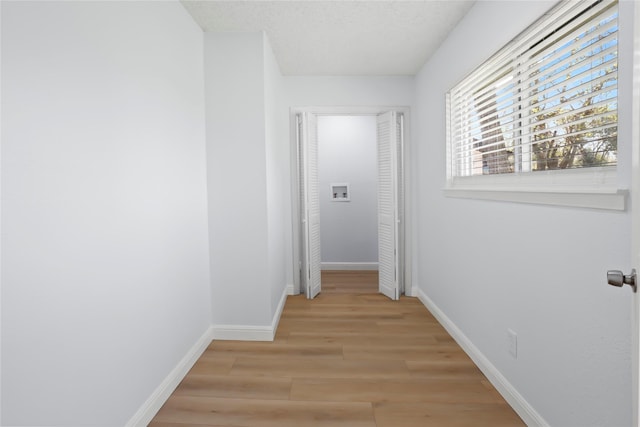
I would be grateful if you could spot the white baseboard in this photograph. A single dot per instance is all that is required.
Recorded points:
(528, 414)
(150, 408)
(414, 291)
(242, 333)
(251, 332)
(349, 266)
(289, 289)
(278, 313)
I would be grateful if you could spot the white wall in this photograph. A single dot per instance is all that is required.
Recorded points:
(247, 159)
(237, 173)
(105, 282)
(277, 152)
(538, 270)
(347, 152)
(304, 91)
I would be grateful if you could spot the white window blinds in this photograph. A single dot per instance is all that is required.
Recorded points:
(546, 101)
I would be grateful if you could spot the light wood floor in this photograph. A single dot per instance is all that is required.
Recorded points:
(350, 358)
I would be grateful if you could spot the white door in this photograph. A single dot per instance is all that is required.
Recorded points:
(387, 205)
(400, 204)
(302, 206)
(310, 206)
(635, 215)
(635, 246)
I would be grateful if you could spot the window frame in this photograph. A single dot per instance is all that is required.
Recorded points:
(592, 187)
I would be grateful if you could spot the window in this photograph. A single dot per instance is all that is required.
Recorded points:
(542, 112)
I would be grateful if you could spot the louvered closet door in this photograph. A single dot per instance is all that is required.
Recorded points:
(387, 205)
(312, 205)
(400, 195)
(302, 204)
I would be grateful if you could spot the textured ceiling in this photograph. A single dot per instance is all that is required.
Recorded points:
(380, 37)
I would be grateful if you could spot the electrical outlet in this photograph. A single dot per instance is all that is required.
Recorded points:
(513, 343)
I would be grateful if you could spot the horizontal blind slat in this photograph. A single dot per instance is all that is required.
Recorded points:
(554, 84)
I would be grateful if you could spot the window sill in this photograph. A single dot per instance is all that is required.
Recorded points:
(615, 200)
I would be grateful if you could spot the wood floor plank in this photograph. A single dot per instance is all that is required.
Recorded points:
(330, 325)
(367, 338)
(264, 413)
(235, 387)
(394, 390)
(322, 368)
(212, 365)
(342, 313)
(438, 352)
(160, 424)
(406, 326)
(445, 415)
(272, 349)
(350, 357)
(444, 369)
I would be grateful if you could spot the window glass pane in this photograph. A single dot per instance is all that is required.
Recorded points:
(573, 98)
(548, 101)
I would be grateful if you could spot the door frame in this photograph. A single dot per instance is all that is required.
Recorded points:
(409, 242)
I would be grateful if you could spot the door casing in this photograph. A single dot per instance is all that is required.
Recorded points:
(407, 268)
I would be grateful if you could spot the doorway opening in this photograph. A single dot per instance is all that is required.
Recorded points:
(366, 219)
(348, 183)
(348, 193)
